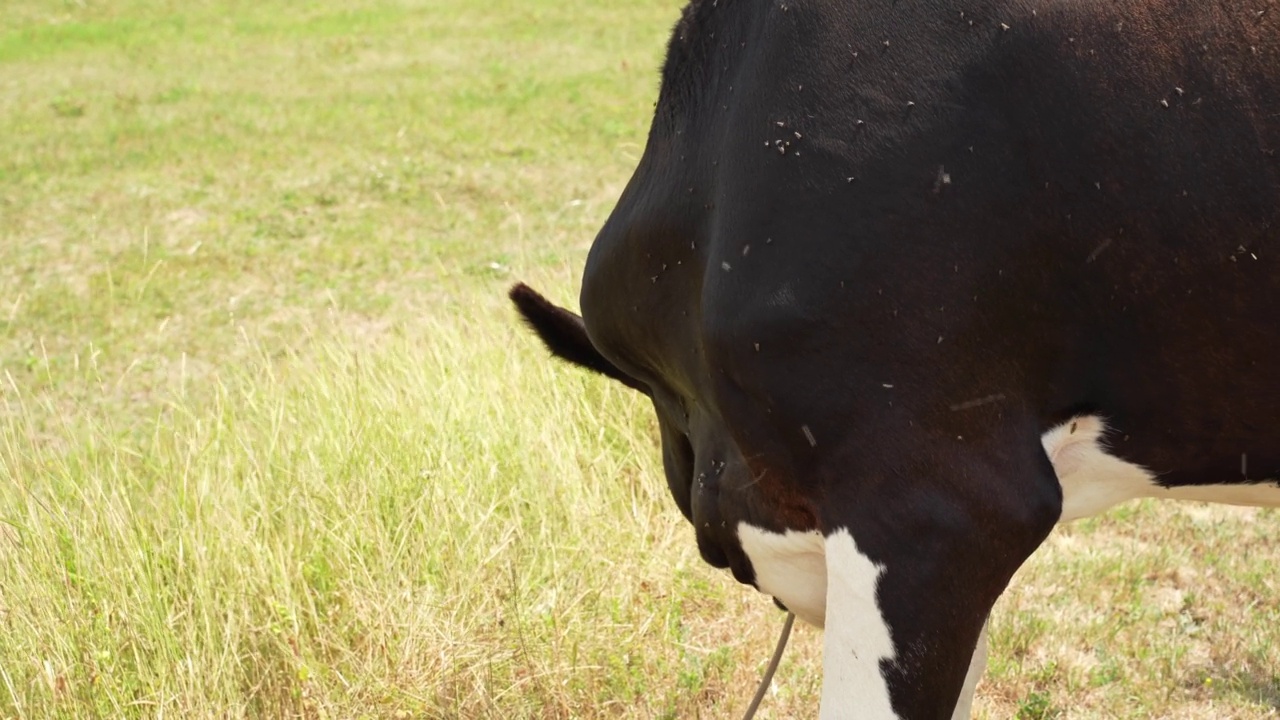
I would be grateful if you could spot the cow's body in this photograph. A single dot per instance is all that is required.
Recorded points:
(892, 272)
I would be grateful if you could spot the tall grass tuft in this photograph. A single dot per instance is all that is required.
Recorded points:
(450, 523)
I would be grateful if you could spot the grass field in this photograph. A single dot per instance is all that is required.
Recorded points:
(272, 444)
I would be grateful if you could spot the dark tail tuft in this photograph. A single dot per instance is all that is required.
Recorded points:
(564, 334)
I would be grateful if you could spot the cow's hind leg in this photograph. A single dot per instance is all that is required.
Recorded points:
(857, 640)
(913, 569)
(977, 666)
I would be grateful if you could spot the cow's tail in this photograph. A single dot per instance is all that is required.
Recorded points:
(565, 335)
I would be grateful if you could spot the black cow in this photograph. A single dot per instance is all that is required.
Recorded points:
(909, 282)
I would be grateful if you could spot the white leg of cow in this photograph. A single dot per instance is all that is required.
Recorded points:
(856, 637)
(964, 708)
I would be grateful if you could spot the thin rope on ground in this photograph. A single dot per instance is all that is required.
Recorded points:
(773, 667)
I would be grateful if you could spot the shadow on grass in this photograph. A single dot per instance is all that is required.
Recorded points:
(1258, 687)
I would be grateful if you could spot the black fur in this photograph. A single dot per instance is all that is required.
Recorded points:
(873, 250)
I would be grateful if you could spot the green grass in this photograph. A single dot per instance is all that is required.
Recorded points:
(272, 444)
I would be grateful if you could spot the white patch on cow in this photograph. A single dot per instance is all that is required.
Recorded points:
(812, 575)
(857, 637)
(1253, 495)
(791, 567)
(977, 665)
(1093, 480)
